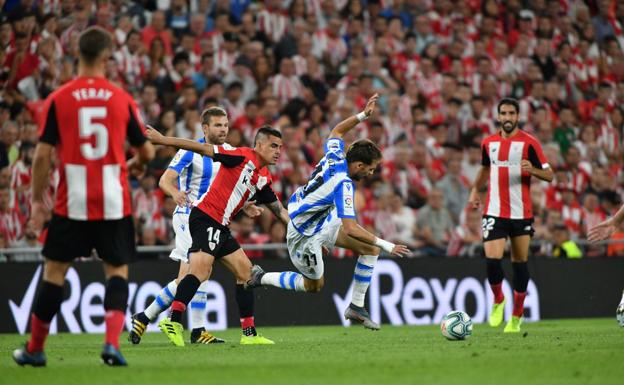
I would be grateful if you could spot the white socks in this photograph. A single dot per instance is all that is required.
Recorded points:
(162, 301)
(362, 277)
(287, 280)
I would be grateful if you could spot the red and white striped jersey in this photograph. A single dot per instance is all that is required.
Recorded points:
(240, 178)
(508, 191)
(286, 88)
(88, 121)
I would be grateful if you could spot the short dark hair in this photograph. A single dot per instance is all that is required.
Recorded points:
(266, 131)
(508, 102)
(92, 42)
(364, 151)
(209, 112)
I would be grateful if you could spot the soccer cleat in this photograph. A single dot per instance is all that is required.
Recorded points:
(513, 326)
(23, 357)
(173, 330)
(619, 314)
(256, 278)
(205, 338)
(138, 328)
(361, 316)
(111, 356)
(255, 340)
(497, 314)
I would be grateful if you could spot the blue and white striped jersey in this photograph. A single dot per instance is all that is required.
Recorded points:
(196, 174)
(330, 192)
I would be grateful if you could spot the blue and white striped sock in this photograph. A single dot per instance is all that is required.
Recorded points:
(162, 301)
(362, 277)
(287, 280)
(198, 306)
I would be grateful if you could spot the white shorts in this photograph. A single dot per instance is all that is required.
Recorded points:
(183, 240)
(306, 252)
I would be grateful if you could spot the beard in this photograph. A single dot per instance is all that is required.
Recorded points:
(509, 126)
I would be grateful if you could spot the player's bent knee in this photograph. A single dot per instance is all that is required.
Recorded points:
(116, 297)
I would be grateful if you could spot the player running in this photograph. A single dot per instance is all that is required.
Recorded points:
(603, 231)
(87, 121)
(322, 214)
(509, 159)
(187, 179)
(243, 174)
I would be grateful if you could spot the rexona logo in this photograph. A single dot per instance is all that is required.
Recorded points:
(83, 310)
(420, 301)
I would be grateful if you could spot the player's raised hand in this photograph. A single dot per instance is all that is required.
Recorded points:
(370, 105)
(400, 251)
(251, 209)
(181, 198)
(474, 200)
(153, 135)
(601, 231)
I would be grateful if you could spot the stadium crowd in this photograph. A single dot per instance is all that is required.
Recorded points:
(303, 65)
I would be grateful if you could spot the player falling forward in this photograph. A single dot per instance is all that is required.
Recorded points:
(88, 121)
(243, 174)
(322, 214)
(187, 179)
(510, 157)
(603, 231)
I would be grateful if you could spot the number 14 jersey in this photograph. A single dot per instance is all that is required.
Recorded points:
(88, 121)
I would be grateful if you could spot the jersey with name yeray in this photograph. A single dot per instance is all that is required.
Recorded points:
(88, 120)
(239, 178)
(329, 193)
(508, 191)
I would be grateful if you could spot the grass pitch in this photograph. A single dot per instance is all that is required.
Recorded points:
(550, 352)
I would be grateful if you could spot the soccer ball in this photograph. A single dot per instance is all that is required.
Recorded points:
(619, 314)
(456, 325)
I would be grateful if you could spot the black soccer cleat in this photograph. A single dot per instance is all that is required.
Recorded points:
(205, 337)
(111, 356)
(256, 278)
(361, 316)
(138, 328)
(23, 357)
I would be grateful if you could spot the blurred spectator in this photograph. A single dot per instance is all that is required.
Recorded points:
(454, 186)
(11, 219)
(564, 247)
(245, 234)
(434, 225)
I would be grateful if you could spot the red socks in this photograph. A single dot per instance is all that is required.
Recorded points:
(497, 290)
(518, 304)
(114, 325)
(38, 334)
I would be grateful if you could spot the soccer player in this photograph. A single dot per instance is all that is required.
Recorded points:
(603, 231)
(322, 214)
(243, 174)
(87, 121)
(187, 179)
(509, 159)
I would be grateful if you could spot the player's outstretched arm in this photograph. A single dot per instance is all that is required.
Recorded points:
(351, 228)
(346, 125)
(605, 229)
(482, 176)
(279, 211)
(185, 144)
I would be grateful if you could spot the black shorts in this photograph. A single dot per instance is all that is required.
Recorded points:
(210, 236)
(497, 228)
(69, 239)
